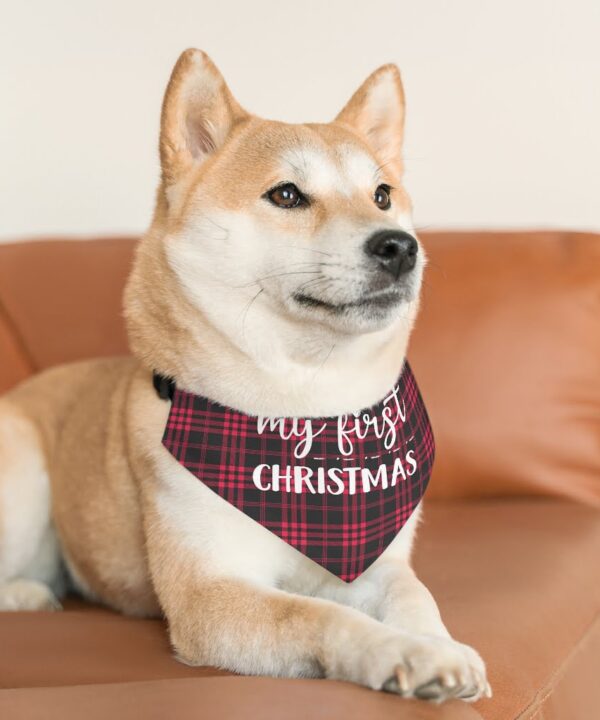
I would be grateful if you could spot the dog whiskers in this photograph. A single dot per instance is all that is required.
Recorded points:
(322, 364)
(277, 275)
(378, 170)
(204, 216)
(312, 283)
(306, 249)
(247, 310)
(305, 271)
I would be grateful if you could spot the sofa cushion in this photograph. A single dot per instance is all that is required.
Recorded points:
(507, 354)
(64, 297)
(14, 361)
(221, 699)
(518, 579)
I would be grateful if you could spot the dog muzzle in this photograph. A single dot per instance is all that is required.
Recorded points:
(338, 489)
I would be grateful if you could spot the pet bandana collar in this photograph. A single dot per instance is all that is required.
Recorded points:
(338, 489)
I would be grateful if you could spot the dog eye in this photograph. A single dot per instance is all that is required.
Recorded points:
(382, 198)
(286, 196)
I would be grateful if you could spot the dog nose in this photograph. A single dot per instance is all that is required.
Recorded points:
(394, 250)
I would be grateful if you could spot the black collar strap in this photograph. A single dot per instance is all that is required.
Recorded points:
(164, 386)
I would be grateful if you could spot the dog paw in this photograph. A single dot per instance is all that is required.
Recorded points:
(433, 668)
(27, 595)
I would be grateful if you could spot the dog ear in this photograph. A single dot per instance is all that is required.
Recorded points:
(198, 113)
(376, 111)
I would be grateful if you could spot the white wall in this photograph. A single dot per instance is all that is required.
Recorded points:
(504, 101)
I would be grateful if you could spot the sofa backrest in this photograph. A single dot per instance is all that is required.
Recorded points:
(506, 348)
(60, 300)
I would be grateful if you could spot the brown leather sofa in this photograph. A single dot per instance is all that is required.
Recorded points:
(507, 353)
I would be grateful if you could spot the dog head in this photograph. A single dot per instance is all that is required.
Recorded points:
(312, 217)
(303, 231)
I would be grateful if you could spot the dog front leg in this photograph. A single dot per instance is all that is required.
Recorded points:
(393, 594)
(254, 629)
(243, 623)
(402, 601)
(251, 629)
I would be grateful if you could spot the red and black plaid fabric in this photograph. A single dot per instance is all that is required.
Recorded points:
(341, 503)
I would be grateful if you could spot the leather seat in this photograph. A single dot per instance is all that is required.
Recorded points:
(507, 353)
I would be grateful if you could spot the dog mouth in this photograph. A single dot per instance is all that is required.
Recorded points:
(373, 302)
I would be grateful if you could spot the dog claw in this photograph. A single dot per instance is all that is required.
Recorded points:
(391, 685)
(432, 690)
(398, 683)
(402, 678)
(448, 680)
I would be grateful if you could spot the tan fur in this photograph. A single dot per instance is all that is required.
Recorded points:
(137, 532)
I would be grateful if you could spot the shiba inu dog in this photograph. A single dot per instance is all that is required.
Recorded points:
(280, 277)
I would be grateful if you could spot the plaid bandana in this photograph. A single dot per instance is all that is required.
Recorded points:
(338, 489)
